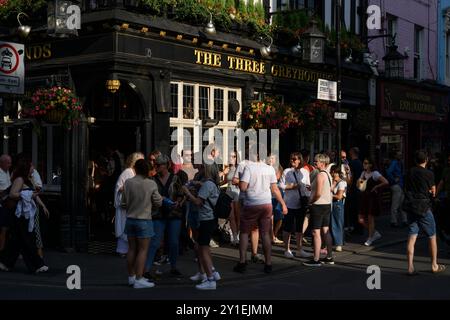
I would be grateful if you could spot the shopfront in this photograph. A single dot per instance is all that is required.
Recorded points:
(412, 116)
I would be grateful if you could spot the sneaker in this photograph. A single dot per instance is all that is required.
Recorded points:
(312, 263)
(376, 236)
(368, 242)
(257, 258)
(338, 249)
(42, 269)
(267, 268)
(327, 260)
(142, 283)
(158, 272)
(206, 285)
(131, 280)
(304, 254)
(198, 277)
(277, 241)
(150, 277)
(216, 276)
(213, 244)
(289, 254)
(240, 267)
(176, 273)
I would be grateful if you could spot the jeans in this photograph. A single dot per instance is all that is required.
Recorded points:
(337, 222)
(173, 227)
(397, 214)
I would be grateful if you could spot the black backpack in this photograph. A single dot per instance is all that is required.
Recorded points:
(222, 209)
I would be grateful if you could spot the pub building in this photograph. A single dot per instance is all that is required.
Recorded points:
(142, 77)
(411, 116)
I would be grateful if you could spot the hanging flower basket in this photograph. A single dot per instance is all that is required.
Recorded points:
(57, 105)
(271, 114)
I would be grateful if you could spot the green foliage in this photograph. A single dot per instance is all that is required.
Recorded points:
(259, 9)
(10, 8)
(230, 4)
(193, 12)
(242, 8)
(250, 8)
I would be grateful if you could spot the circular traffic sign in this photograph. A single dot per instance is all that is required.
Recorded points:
(9, 58)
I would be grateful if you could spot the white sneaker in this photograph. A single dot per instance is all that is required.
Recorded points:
(216, 276)
(368, 242)
(42, 269)
(206, 285)
(198, 277)
(131, 280)
(304, 254)
(289, 254)
(338, 249)
(142, 283)
(213, 244)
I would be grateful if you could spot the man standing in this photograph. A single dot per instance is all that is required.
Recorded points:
(320, 212)
(395, 178)
(5, 183)
(258, 181)
(419, 189)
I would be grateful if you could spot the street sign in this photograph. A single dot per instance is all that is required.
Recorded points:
(327, 90)
(340, 116)
(12, 69)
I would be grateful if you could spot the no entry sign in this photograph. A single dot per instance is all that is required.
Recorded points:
(12, 69)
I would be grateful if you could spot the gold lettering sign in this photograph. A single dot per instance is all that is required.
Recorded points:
(212, 59)
(38, 52)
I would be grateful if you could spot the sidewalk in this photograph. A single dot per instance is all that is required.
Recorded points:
(110, 270)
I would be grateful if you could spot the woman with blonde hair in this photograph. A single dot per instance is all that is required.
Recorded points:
(121, 214)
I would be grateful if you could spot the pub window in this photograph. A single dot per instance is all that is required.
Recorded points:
(232, 95)
(174, 99)
(203, 107)
(218, 104)
(188, 101)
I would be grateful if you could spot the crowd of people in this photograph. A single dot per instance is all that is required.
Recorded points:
(163, 204)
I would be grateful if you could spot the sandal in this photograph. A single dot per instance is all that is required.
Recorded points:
(440, 269)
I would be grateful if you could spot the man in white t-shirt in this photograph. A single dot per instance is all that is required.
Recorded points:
(258, 181)
(5, 183)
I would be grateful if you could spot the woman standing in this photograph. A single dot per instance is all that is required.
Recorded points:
(140, 195)
(233, 191)
(370, 183)
(22, 210)
(121, 214)
(339, 188)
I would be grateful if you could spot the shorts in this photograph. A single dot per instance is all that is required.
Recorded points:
(192, 219)
(205, 231)
(319, 216)
(139, 228)
(425, 223)
(253, 217)
(293, 221)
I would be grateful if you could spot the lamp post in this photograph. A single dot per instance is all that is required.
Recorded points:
(394, 62)
(338, 11)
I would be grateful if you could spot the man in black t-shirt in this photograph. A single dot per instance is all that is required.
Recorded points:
(419, 189)
(352, 201)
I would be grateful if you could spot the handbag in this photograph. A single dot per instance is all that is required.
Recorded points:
(361, 184)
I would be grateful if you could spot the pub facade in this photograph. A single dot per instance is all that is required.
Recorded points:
(140, 78)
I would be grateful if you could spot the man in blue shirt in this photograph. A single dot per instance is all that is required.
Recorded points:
(395, 174)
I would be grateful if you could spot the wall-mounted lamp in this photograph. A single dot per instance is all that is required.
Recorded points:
(23, 31)
(113, 84)
(266, 49)
(91, 120)
(210, 28)
(349, 59)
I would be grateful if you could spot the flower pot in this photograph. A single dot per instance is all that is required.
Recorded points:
(54, 116)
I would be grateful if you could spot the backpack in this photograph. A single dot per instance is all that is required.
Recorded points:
(222, 209)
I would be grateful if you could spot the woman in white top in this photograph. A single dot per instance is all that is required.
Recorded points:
(339, 189)
(370, 183)
(121, 214)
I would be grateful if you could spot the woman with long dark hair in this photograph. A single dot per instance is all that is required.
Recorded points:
(370, 183)
(23, 208)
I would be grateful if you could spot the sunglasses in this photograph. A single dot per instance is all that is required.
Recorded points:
(294, 159)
